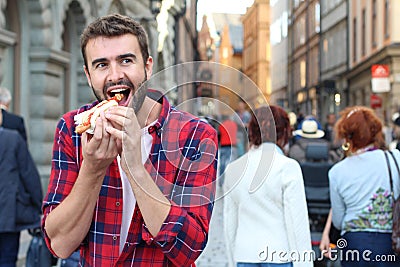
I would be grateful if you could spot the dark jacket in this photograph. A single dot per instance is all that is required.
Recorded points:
(20, 188)
(298, 150)
(15, 122)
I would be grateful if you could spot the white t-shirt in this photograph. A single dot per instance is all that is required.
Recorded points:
(128, 197)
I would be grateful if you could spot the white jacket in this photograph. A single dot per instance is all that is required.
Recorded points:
(265, 209)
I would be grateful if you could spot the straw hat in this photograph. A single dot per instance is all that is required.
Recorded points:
(309, 129)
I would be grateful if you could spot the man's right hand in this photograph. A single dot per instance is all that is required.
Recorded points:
(99, 149)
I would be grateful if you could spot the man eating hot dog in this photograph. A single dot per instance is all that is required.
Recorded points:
(113, 193)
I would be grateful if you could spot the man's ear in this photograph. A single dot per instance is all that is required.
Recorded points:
(149, 67)
(87, 75)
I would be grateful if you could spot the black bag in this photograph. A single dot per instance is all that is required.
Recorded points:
(396, 209)
(334, 234)
(38, 254)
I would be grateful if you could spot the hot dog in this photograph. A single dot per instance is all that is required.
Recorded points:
(86, 121)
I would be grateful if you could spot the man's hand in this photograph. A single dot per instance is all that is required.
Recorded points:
(125, 128)
(100, 149)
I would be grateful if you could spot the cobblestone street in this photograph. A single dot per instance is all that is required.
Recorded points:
(215, 254)
(24, 240)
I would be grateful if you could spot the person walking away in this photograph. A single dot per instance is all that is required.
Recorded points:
(139, 191)
(20, 194)
(395, 144)
(360, 189)
(227, 132)
(335, 151)
(309, 133)
(10, 120)
(265, 207)
(242, 118)
(329, 125)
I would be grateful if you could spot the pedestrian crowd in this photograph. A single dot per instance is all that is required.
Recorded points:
(361, 178)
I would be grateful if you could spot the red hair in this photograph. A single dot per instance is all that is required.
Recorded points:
(359, 126)
(269, 124)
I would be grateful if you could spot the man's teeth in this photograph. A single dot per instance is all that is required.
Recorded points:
(117, 91)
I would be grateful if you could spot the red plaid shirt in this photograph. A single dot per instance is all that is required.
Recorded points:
(183, 163)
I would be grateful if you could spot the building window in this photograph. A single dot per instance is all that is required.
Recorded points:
(284, 21)
(303, 73)
(363, 41)
(317, 17)
(373, 24)
(275, 32)
(387, 19)
(325, 46)
(302, 30)
(354, 39)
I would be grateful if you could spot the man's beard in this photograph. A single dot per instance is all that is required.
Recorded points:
(139, 95)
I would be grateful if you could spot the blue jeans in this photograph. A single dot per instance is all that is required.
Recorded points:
(9, 245)
(71, 261)
(243, 264)
(368, 249)
(226, 155)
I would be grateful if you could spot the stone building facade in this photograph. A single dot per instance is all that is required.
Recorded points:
(256, 45)
(41, 62)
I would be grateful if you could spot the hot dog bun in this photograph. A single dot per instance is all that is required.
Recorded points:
(86, 121)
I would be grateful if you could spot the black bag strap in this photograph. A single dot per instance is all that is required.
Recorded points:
(397, 166)
(390, 174)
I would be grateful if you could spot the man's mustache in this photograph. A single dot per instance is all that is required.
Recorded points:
(121, 82)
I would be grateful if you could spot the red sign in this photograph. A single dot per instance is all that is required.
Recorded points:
(375, 101)
(380, 71)
(380, 82)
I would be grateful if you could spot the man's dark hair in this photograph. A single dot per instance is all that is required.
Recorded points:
(115, 25)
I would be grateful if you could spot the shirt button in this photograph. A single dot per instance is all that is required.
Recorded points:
(115, 237)
(117, 203)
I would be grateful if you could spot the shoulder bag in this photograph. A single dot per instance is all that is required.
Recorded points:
(38, 254)
(396, 208)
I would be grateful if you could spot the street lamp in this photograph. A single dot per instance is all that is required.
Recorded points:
(155, 6)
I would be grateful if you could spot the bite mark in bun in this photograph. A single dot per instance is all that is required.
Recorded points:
(86, 121)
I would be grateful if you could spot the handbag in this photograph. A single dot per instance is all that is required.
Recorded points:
(38, 254)
(396, 208)
(334, 234)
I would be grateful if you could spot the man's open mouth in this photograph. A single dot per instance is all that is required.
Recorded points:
(125, 92)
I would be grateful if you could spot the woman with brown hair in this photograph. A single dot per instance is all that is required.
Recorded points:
(360, 190)
(265, 210)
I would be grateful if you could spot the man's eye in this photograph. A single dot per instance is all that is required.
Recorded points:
(100, 65)
(126, 60)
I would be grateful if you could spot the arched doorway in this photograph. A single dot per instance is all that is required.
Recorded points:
(76, 92)
(10, 54)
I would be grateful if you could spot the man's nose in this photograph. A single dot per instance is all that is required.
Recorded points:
(115, 73)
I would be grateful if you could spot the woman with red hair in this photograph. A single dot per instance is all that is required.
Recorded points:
(360, 190)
